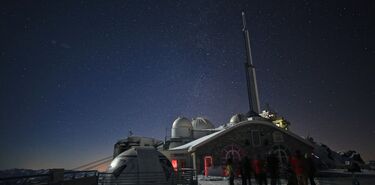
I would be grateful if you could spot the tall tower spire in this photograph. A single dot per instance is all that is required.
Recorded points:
(252, 87)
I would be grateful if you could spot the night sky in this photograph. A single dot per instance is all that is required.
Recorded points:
(76, 76)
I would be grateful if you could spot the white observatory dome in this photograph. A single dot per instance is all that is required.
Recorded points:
(200, 123)
(181, 128)
(237, 118)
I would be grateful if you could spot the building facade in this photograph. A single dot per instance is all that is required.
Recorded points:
(255, 137)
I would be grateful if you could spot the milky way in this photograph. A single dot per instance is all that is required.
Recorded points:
(77, 76)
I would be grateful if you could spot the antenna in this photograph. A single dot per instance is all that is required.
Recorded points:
(166, 134)
(130, 133)
(252, 87)
(243, 21)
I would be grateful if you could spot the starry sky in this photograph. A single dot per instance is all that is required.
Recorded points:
(76, 76)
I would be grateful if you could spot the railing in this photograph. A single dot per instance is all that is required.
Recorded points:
(25, 180)
(42, 179)
(70, 175)
(186, 176)
(152, 178)
(181, 177)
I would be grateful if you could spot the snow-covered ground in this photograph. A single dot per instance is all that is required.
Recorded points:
(319, 181)
(344, 172)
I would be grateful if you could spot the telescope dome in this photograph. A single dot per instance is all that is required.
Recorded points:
(181, 128)
(200, 123)
(237, 118)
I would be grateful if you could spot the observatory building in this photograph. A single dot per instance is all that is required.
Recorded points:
(185, 130)
(196, 143)
(199, 145)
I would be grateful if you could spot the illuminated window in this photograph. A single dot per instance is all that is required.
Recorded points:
(174, 164)
(207, 164)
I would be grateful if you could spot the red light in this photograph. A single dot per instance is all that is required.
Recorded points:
(174, 164)
(207, 164)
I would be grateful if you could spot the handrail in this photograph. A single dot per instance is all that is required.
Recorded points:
(68, 175)
(182, 177)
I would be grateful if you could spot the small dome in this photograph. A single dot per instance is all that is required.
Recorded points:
(202, 123)
(182, 122)
(136, 158)
(237, 118)
(181, 128)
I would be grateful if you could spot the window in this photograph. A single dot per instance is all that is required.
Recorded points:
(174, 164)
(282, 154)
(207, 164)
(255, 135)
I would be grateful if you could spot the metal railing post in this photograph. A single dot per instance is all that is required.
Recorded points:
(137, 177)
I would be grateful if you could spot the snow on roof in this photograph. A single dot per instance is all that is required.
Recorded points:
(197, 141)
(193, 145)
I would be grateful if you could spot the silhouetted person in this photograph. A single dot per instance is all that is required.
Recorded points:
(259, 170)
(273, 168)
(246, 171)
(310, 168)
(298, 166)
(291, 176)
(242, 171)
(230, 171)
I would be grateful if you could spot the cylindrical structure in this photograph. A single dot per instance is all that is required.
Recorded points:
(201, 127)
(181, 128)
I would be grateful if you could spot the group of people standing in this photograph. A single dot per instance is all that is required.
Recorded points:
(298, 172)
(302, 169)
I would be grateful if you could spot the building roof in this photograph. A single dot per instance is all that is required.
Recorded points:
(193, 145)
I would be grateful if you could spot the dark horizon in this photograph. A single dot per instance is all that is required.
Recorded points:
(77, 76)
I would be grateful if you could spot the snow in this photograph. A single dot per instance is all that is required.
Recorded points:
(193, 144)
(197, 141)
(319, 181)
(344, 172)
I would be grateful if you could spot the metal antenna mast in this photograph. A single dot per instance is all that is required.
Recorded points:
(252, 87)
